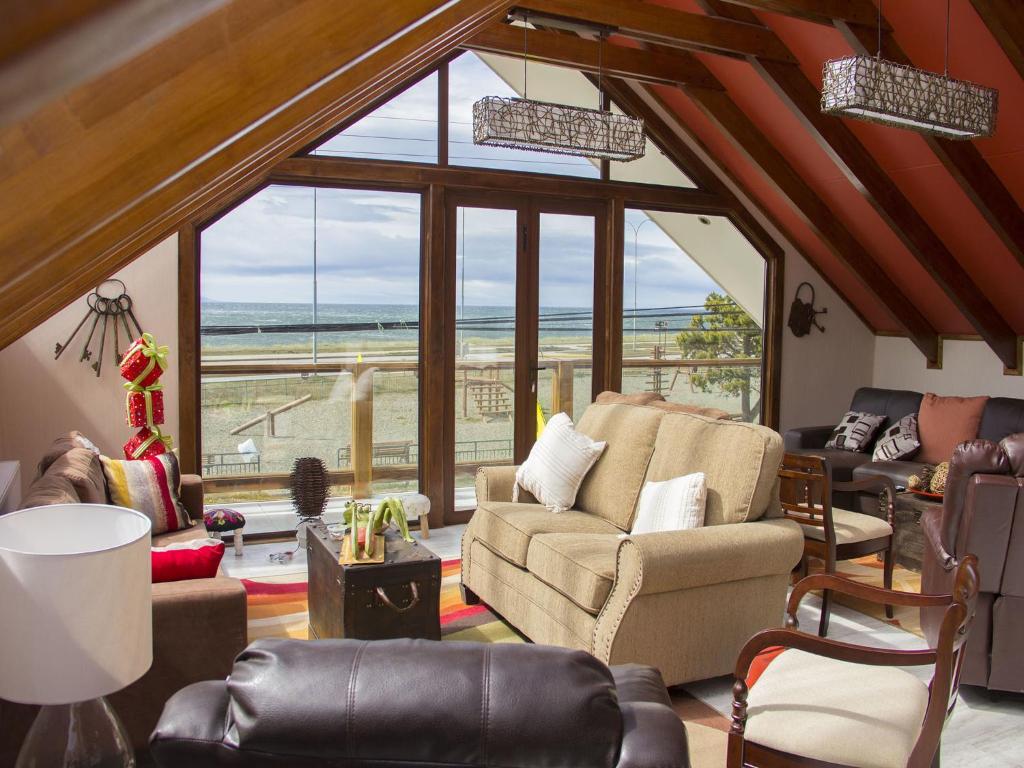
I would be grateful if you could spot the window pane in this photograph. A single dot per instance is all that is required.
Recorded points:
(404, 129)
(565, 332)
(693, 290)
(338, 271)
(473, 76)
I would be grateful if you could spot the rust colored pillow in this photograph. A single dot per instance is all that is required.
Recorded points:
(945, 422)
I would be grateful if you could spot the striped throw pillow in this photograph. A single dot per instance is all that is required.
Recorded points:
(151, 486)
(672, 505)
(557, 464)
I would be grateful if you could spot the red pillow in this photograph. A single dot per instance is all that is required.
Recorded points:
(196, 559)
(945, 422)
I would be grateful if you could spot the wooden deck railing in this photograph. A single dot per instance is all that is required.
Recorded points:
(363, 469)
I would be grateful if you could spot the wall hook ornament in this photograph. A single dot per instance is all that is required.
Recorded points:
(802, 314)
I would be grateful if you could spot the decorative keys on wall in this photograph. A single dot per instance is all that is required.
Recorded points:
(104, 310)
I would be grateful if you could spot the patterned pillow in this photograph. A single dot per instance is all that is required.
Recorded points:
(151, 486)
(900, 441)
(855, 431)
(557, 464)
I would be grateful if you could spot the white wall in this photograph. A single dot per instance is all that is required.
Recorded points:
(968, 368)
(40, 397)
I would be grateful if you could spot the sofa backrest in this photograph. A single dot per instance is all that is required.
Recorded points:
(1002, 416)
(74, 476)
(893, 403)
(612, 487)
(740, 463)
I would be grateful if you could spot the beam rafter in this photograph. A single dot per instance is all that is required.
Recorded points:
(652, 23)
(1005, 20)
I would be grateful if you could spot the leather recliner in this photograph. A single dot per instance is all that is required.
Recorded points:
(982, 513)
(348, 703)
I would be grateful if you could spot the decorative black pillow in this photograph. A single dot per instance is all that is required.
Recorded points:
(855, 431)
(900, 441)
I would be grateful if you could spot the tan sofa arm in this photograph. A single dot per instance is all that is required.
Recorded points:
(676, 560)
(495, 483)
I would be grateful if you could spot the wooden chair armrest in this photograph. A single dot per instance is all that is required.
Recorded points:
(862, 591)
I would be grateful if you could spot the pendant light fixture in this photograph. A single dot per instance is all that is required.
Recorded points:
(880, 91)
(562, 129)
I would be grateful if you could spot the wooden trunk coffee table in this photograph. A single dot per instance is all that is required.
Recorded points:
(400, 597)
(909, 537)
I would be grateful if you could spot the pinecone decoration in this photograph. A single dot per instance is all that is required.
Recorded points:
(938, 481)
(310, 487)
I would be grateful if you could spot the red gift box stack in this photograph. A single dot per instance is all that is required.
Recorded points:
(142, 365)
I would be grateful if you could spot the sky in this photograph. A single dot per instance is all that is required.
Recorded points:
(367, 242)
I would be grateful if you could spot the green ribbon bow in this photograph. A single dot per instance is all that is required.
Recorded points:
(157, 354)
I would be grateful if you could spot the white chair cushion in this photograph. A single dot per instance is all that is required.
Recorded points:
(671, 505)
(836, 711)
(557, 464)
(851, 527)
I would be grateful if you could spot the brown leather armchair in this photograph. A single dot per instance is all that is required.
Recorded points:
(982, 513)
(353, 704)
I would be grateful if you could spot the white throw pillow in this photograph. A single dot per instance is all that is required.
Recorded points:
(671, 505)
(555, 468)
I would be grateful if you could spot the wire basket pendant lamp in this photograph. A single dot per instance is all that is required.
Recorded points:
(881, 91)
(541, 126)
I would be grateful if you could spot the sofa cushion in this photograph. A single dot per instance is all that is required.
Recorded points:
(865, 715)
(50, 489)
(612, 487)
(83, 469)
(700, 410)
(507, 527)
(894, 404)
(740, 463)
(855, 431)
(62, 445)
(636, 398)
(898, 440)
(1003, 416)
(151, 486)
(580, 566)
(945, 422)
(557, 464)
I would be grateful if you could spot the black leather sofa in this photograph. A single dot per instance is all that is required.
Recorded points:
(1002, 416)
(354, 704)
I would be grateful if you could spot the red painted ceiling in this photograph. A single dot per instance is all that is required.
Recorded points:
(919, 28)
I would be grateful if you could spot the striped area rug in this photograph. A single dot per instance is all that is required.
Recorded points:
(279, 607)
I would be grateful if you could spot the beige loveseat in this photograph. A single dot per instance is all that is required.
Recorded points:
(682, 601)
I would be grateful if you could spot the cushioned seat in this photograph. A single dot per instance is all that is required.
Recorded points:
(580, 566)
(836, 711)
(506, 527)
(851, 527)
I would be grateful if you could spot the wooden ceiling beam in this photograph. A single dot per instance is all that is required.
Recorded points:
(50, 46)
(961, 158)
(864, 172)
(1005, 20)
(819, 11)
(164, 135)
(585, 55)
(652, 23)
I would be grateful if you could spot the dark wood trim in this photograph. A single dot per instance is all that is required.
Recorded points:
(188, 351)
(771, 350)
(962, 159)
(864, 172)
(1006, 23)
(527, 313)
(436, 378)
(442, 114)
(325, 171)
(570, 51)
(612, 275)
(652, 23)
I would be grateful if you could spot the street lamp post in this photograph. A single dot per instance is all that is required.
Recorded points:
(636, 235)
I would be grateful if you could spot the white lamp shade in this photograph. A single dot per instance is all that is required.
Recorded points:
(76, 602)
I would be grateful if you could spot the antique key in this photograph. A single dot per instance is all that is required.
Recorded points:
(59, 348)
(104, 309)
(130, 312)
(86, 354)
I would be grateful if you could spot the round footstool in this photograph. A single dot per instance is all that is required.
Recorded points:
(418, 505)
(222, 520)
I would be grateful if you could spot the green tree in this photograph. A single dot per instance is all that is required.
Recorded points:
(725, 332)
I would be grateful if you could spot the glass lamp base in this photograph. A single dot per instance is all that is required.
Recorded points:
(86, 734)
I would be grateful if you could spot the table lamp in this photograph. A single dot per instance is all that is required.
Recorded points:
(76, 606)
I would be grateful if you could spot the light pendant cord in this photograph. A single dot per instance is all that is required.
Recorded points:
(945, 64)
(878, 55)
(600, 71)
(525, 42)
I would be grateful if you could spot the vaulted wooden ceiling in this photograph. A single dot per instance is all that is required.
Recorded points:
(921, 236)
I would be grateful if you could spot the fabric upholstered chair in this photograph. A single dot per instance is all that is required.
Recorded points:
(832, 534)
(824, 703)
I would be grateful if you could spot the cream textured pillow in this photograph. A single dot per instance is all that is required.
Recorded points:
(672, 505)
(557, 464)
